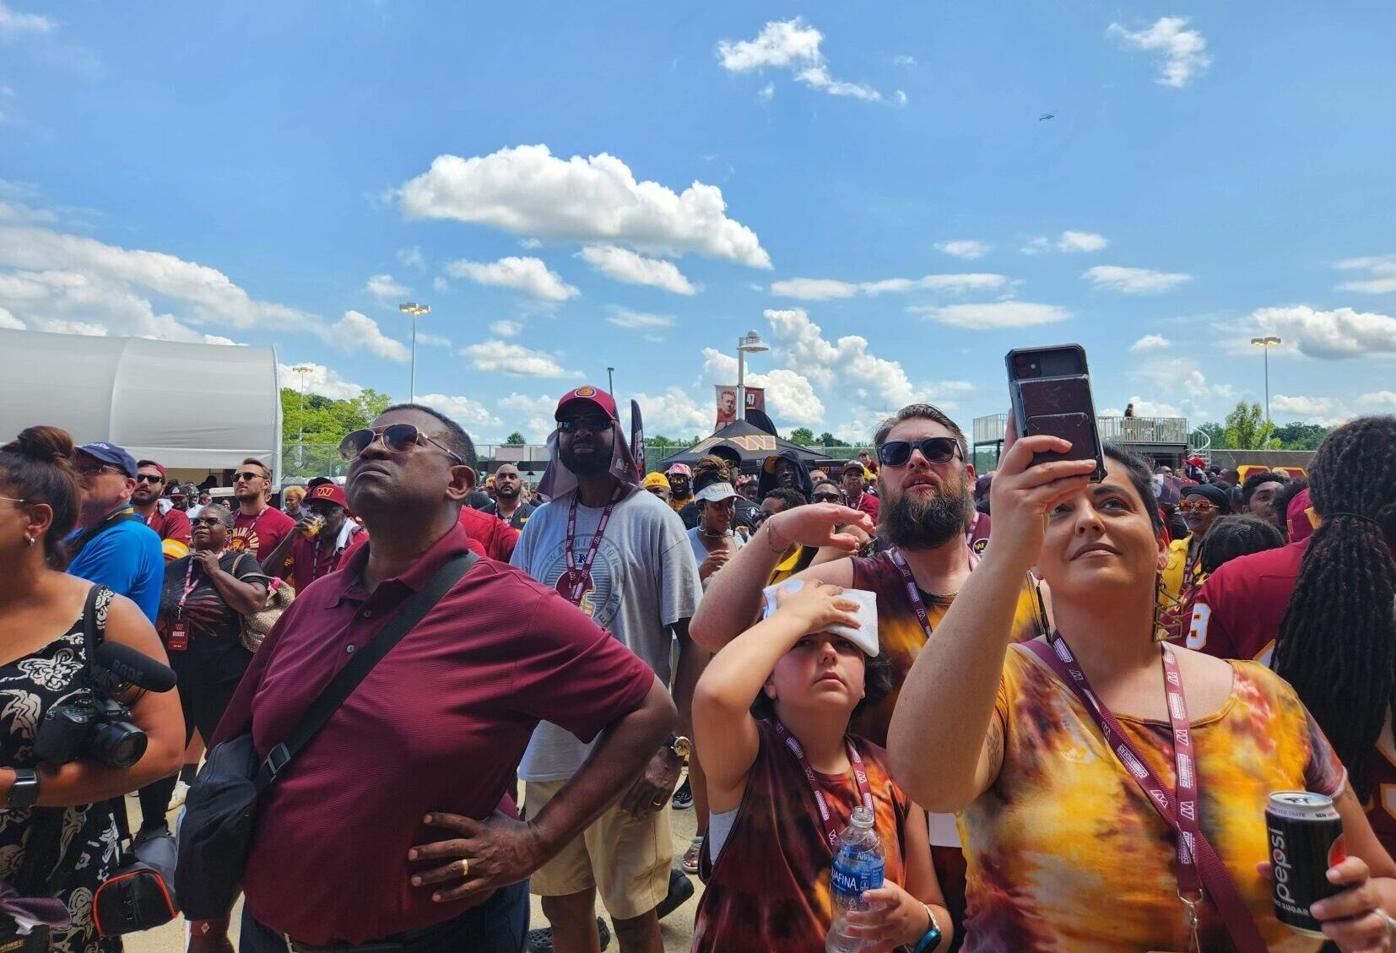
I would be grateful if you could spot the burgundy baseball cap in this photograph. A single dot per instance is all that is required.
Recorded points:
(598, 398)
(330, 493)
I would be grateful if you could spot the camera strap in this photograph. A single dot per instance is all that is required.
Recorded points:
(79, 542)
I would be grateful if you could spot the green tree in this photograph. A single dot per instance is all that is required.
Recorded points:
(515, 439)
(324, 422)
(1218, 434)
(827, 439)
(659, 440)
(803, 436)
(1297, 436)
(1245, 427)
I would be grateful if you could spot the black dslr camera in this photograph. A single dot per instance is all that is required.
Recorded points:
(92, 725)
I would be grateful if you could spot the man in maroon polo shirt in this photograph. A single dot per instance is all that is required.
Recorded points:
(386, 829)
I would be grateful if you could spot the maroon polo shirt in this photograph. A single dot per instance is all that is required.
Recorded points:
(438, 725)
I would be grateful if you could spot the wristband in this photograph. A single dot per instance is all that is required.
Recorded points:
(25, 791)
(771, 536)
(931, 939)
(217, 927)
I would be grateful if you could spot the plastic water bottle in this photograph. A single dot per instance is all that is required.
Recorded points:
(858, 866)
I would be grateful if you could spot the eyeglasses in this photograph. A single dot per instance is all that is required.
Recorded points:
(149, 478)
(247, 476)
(92, 469)
(1196, 506)
(397, 438)
(827, 497)
(896, 453)
(206, 521)
(595, 424)
(11, 499)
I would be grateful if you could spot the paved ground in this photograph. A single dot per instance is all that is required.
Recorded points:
(677, 927)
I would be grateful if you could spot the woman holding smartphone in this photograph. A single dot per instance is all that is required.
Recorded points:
(1066, 847)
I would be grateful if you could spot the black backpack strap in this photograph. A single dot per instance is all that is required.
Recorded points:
(348, 678)
(76, 546)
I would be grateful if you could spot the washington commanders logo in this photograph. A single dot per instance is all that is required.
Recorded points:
(587, 391)
(980, 545)
(243, 540)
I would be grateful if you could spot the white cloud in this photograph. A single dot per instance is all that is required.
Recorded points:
(766, 93)
(1150, 342)
(1340, 333)
(1069, 241)
(1309, 409)
(1380, 398)
(13, 23)
(464, 411)
(1381, 274)
(506, 329)
(86, 328)
(10, 322)
(1134, 281)
(825, 289)
(675, 413)
(904, 60)
(629, 267)
(991, 315)
(861, 376)
(1181, 378)
(319, 379)
(386, 290)
(792, 45)
(964, 248)
(1184, 52)
(637, 321)
(530, 243)
(504, 358)
(434, 340)
(357, 331)
(17, 213)
(440, 285)
(412, 258)
(533, 416)
(527, 191)
(527, 275)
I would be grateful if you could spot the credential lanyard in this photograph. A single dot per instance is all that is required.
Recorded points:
(579, 572)
(860, 777)
(1178, 808)
(189, 586)
(913, 592)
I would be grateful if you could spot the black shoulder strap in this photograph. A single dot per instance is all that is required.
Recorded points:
(348, 678)
(76, 546)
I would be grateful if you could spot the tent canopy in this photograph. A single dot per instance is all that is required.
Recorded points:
(751, 443)
(189, 406)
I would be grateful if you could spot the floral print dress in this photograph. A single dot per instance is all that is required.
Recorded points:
(89, 845)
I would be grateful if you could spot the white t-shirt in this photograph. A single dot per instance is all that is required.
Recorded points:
(644, 581)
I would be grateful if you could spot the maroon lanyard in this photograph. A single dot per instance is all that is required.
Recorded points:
(1178, 808)
(578, 574)
(331, 563)
(860, 777)
(913, 591)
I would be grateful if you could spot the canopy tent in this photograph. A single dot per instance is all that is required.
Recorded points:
(189, 406)
(750, 442)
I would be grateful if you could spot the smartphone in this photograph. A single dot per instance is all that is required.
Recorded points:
(1051, 392)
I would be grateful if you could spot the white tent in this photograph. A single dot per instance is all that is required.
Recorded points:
(189, 406)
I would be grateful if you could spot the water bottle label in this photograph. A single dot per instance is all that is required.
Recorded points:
(851, 882)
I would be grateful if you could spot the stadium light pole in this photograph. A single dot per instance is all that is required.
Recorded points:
(611, 381)
(750, 343)
(416, 310)
(302, 370)
(1265, 343)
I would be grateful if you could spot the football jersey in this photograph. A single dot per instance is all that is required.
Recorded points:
(1238, 611)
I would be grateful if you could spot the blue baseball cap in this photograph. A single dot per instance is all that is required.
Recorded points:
(112, 455)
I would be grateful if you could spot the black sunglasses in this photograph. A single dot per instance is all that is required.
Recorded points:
(827, 497)
(896, 453)
(247, 476)
(396, 437)
(149, 478)
(206, 521)
(591, 424)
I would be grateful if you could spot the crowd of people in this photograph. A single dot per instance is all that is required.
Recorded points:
(1060, 702)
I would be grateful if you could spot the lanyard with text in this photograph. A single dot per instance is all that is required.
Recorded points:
(1178, 808)
(189, 586)
(576, 579)
(913, 591)
(860, 777)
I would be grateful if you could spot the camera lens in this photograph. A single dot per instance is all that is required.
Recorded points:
(119, 744)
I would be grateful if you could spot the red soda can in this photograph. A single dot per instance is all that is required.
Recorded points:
(1305, 835)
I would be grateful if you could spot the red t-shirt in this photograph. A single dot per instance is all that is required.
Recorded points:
(496, 536)
(261, 534)
(1239, 609)
(438, 725)
(867, 503)
(171, 525)
(316, 557)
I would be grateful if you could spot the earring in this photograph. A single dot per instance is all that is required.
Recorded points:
(1165, 609)
(29, 539)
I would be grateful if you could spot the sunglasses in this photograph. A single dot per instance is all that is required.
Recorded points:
(590, 424)
(827, 497)
(92, 469)
(896, 453)
(149, 478)
(206, 521)
(1196, 506)
(247, 476)
(397, 438)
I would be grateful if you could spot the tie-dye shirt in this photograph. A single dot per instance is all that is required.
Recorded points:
(1066, 854)
(768, 889)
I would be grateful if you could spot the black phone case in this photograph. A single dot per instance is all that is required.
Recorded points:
(1060, 406)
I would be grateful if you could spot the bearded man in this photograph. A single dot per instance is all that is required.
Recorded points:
(925, 483)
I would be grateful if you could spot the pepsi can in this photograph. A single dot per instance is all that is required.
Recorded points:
(1305, 835)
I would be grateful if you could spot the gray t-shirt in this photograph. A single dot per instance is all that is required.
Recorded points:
(644, 580)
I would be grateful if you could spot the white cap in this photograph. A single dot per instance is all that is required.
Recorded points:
(865, 636)
(715, 493)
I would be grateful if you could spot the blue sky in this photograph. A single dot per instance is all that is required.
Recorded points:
(574, 186)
